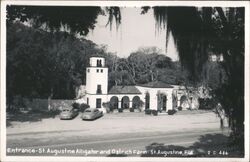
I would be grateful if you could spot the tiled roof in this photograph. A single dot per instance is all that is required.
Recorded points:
(124, 90)
(156, 84)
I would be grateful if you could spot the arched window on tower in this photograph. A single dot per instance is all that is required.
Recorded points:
(99, 63)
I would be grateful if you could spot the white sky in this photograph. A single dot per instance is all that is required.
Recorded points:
(135, 31)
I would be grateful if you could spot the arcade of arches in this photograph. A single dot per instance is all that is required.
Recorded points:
(125, 102)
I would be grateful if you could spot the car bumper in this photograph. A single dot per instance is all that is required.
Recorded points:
(87, 117)
(65, 117)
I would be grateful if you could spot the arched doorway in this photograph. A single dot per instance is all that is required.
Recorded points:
(114, 102)
(125, 102)
(164, 103)
(136, 102)
(184, 102)
(147, 101)
(161, 102)
(174, 101)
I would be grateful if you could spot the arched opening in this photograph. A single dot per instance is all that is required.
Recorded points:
(174, 101)
(161, 102)
(136, 102)
(184, 102)
(164, 103)
(125, 102)
(114, 102)
(147, 101)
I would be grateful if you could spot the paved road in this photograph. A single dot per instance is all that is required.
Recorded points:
(113, 134)
(132, 144)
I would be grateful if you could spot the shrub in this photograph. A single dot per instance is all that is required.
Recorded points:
(207, 103)
(76, 105)
(148, 111)
(154, 112)
(83, 107)
(171, 112)
(107, 106)
(131, 109)
(120, 110)
(179, 108)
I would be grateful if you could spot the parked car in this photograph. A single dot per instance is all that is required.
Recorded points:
(91, 114)
(68, 113)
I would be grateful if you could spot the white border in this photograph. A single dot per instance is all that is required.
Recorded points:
(128, 4)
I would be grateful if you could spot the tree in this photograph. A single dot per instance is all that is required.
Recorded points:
(73, 19)
(146, 63)
(199, 31)
(39, 63)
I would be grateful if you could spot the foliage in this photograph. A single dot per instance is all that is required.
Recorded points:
(197, 33)
(74, 18)
(107, 106)
(207, 103)
(179, 108)
(171, 112)
(213, 75)
(148, 111)
(39, 64)
(154, 112)
(145, 65)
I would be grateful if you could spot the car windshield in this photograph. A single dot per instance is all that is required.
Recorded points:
(65, 110)
(88, 111)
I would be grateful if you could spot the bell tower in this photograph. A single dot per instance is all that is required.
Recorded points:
(96, 82)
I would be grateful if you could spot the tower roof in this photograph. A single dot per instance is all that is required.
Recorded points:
(96, 55)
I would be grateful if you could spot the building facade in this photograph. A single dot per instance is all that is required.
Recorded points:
(154, 95)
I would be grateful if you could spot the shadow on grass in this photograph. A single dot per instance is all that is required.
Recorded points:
(31, 116)
(209, 145)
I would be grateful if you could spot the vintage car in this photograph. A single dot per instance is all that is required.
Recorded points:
(68, 113)
(91, 114)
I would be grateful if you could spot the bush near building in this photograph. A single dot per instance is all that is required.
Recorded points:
(171, 112)
(207, 103)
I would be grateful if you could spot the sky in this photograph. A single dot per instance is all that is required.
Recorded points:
(135, 31)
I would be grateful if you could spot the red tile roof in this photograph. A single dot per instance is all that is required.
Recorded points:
(124, 90)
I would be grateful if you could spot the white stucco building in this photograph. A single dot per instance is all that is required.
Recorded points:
(154, 95)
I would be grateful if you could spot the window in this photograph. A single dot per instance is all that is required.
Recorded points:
(97, 70)
(99, 63)
(98, 103)
(101, 70)
(88, 70)
(87, 101)
(99, 89)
